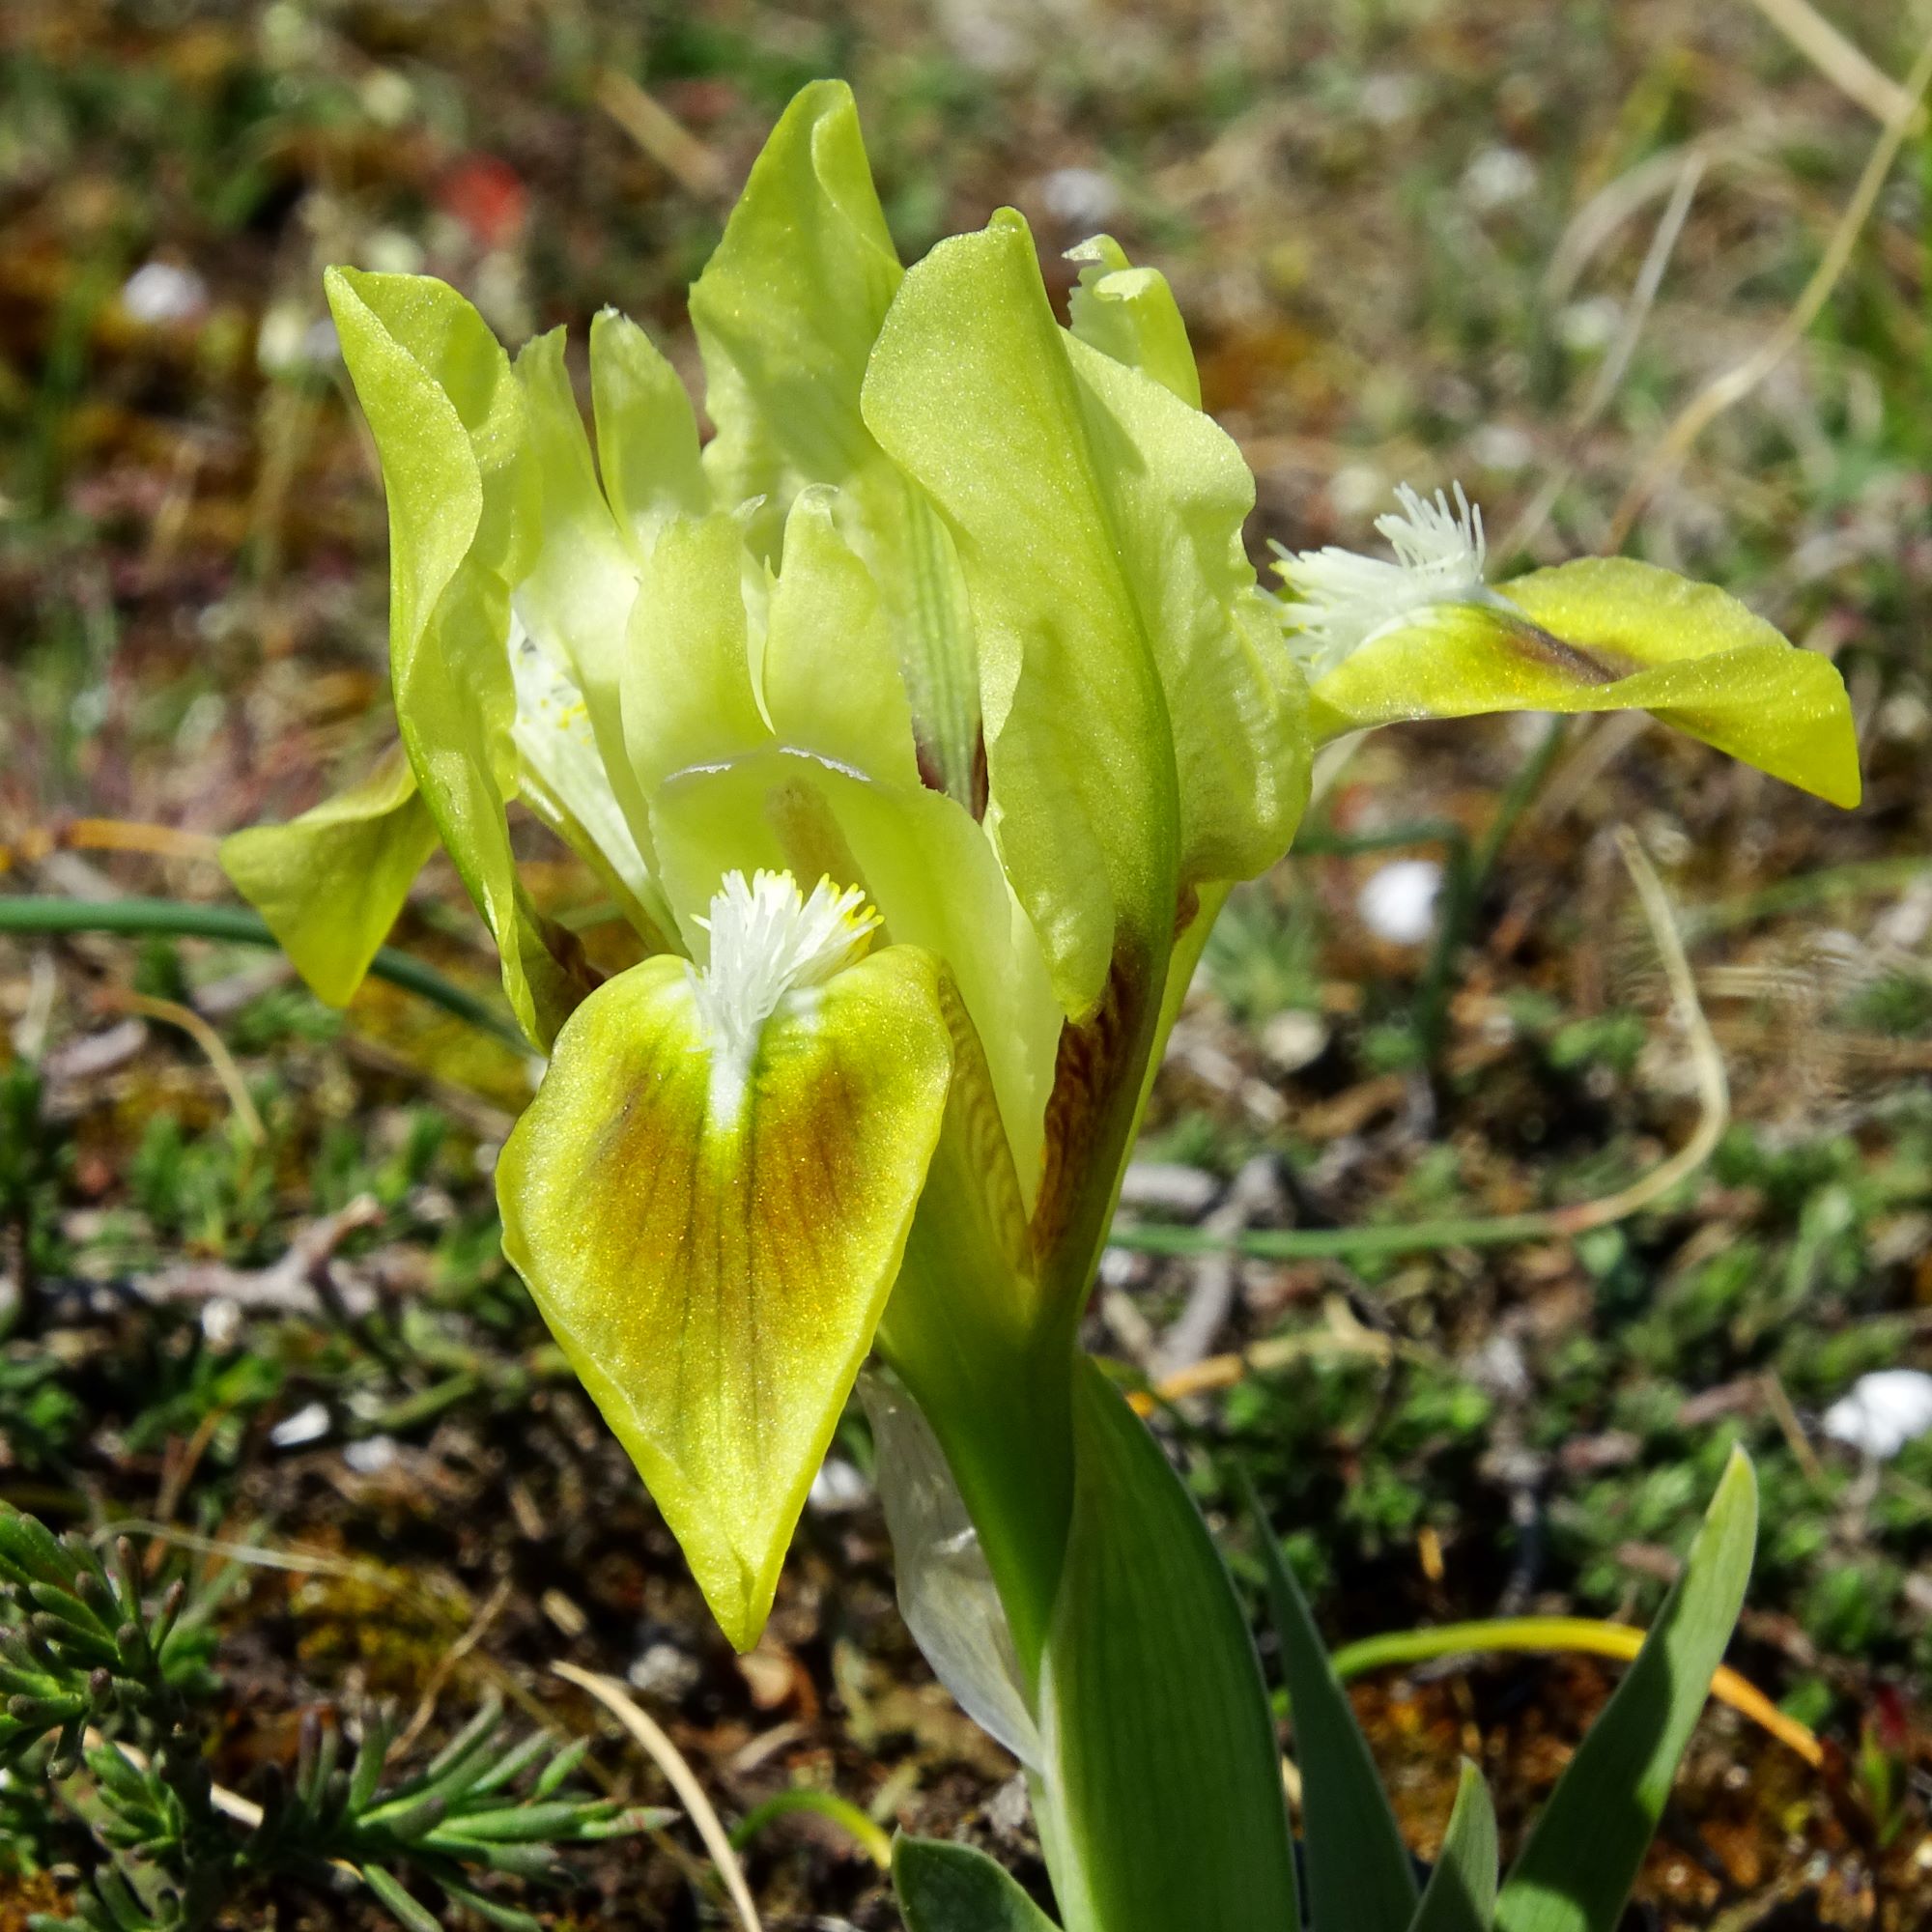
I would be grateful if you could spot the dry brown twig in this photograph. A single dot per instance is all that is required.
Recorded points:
(665, 139)
(288, 1286)
(170, 1013)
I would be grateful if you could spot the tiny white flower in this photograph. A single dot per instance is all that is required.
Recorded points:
(769, 942)
(1338, 599)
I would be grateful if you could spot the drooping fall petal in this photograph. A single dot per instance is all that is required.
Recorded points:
(1423, 636)
(709, 1198)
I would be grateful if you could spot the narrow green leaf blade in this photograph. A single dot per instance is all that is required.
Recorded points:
(388, 1889)
(1583, 1858)
(1461, 1896)
(1163, 1795)
(945, 1887)
(1359, 1874)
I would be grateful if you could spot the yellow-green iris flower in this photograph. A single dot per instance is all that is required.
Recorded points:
(917, 723)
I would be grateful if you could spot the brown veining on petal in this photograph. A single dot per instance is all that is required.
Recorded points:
(932, 774)
(813, 843)
(1592, 664)
(1098, 1064)
(566, 947)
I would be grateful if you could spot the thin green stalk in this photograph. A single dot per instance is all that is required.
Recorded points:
(1301, 1244)
(863, 1831)
(1467, 874)
(1809, 889)
(235, 925)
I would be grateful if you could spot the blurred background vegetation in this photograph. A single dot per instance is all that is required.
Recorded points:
(256, 1291)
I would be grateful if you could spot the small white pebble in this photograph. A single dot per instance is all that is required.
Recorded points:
(221, 1324)
(1386, 99)
(308, 1424)
(387, 98)
(1590, 324)
(1398, 903)
(370, 1456)
(1293, 1040)
(290, 339)
(320, 343)
(1170, 1185)
(1883, 1412)
(1498, 177)
(839, 1487)
(1080, 197)
(665, 1671)
(158, 292)
(391, 251)
(1502, 447)
(1356, 490)
(1498, 1367)
(1905, 718)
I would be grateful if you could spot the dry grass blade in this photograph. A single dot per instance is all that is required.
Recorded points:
(665, 139)
(670, 1760)
(1616, 365)
(1841, 62)
(245, 1811)
(170, 1013)
(1736, 383)
(108, 834)
(1713, 1092)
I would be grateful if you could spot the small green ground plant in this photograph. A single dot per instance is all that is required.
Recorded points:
(107, 1694)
